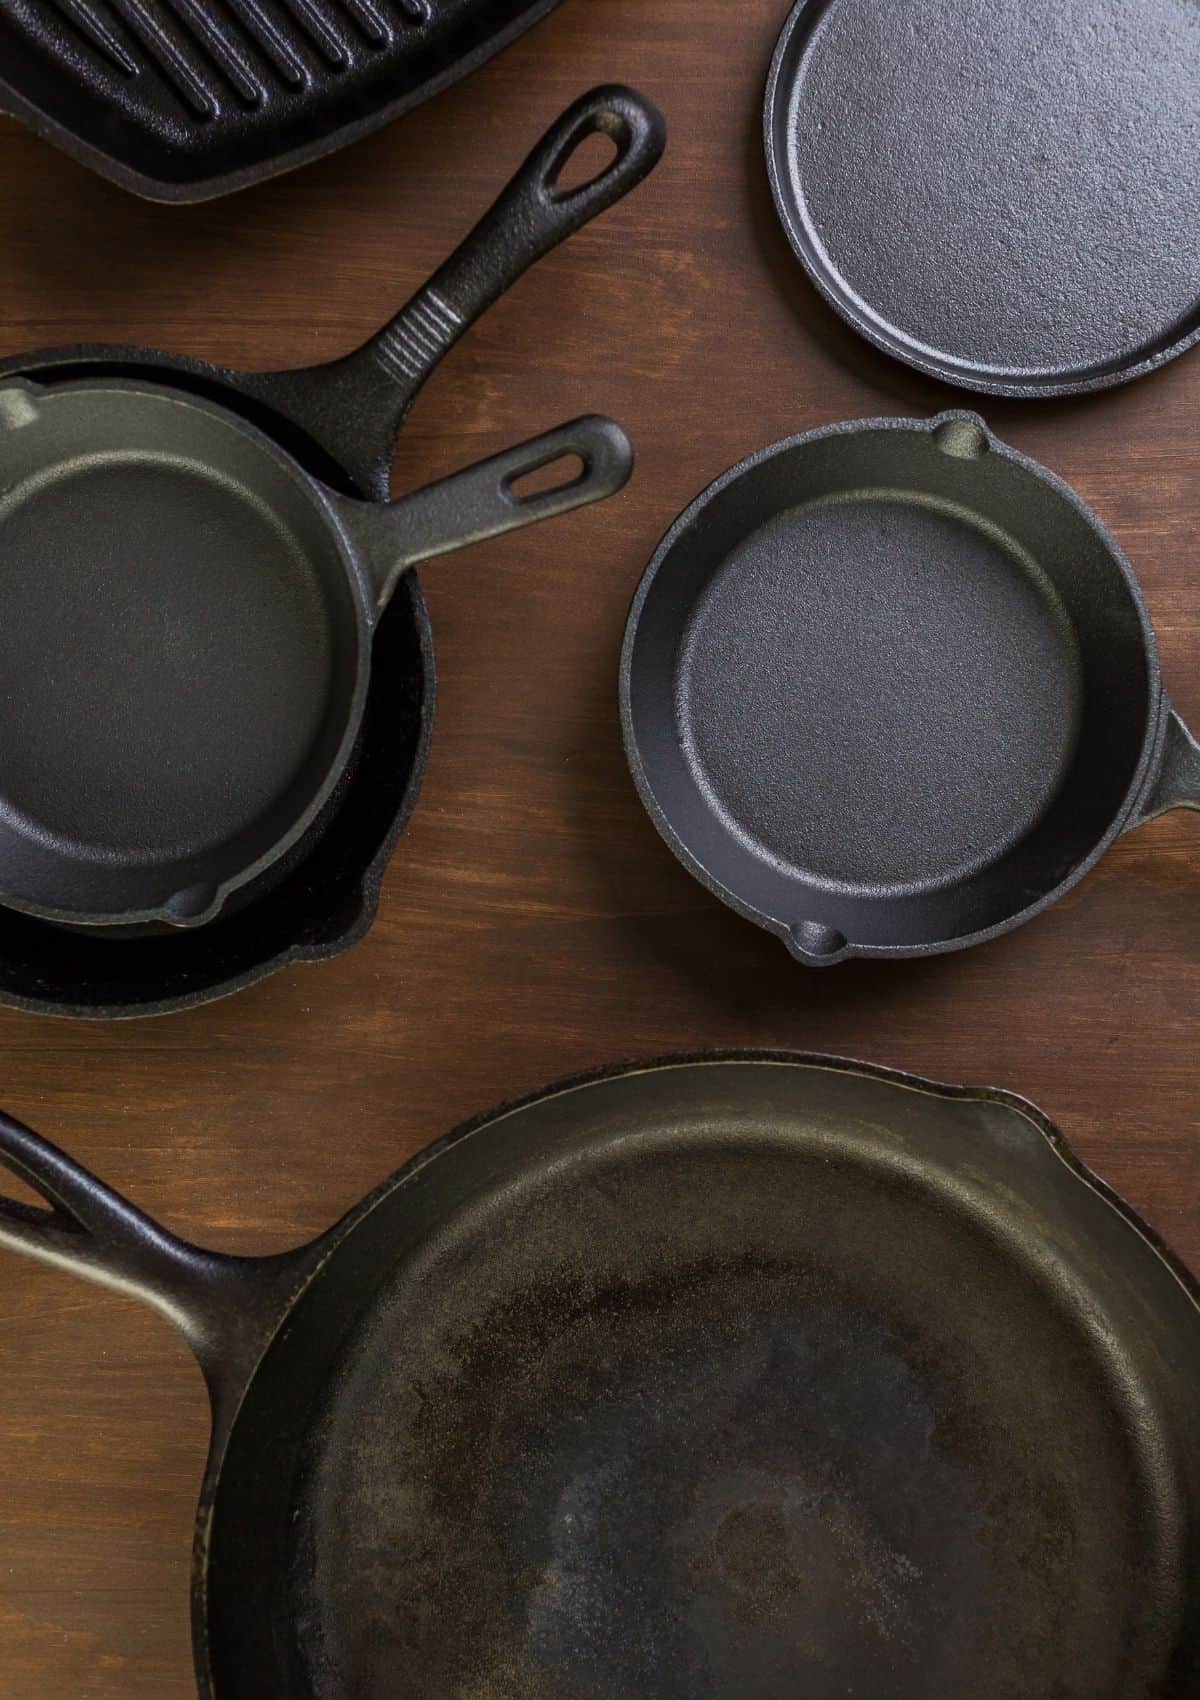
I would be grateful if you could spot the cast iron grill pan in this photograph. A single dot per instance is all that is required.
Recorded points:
(1002, 193)
(186, 99)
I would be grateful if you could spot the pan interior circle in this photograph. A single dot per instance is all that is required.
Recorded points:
(165, 652)
(1002, 190)
(878, 693)
(690, 1424)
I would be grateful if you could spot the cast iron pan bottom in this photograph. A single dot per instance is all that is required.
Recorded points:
(930, 654)
(739, 1404)
(326, 896)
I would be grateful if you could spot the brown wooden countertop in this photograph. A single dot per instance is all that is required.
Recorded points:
(532, 923)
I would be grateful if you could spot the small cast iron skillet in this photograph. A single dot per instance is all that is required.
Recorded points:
(890, 689)
(638, 1391)
(186, 711)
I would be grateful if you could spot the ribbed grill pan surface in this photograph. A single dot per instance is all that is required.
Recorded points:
(185, 99)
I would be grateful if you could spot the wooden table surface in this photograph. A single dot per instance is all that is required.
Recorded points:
(532, 923)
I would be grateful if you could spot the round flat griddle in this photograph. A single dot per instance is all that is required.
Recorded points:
(1003, 193)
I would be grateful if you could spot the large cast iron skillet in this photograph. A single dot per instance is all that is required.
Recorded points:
(890, 688)
(188, 614)
(712, 1380)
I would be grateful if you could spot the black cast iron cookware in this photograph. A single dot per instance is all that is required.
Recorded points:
(890, 689)
(184, 100)
(326, 900)
(189, 613)
(1003, 193)
(742, 1377)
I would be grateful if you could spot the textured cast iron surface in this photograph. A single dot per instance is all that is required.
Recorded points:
(1004, 193)
(186, 99)
(738, 1379)
(889, 688)
(184, 650)
(324, 902)
(951, 731)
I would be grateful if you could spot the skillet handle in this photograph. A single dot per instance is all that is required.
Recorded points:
(1175, 783)
(355, 406)
(530, 217)
(225, 1307)
(483, 501)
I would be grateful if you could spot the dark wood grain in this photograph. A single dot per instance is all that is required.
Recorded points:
(532, 923)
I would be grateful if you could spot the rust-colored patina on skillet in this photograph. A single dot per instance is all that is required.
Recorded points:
(746, 1376)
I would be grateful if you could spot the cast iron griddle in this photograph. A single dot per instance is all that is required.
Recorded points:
(181, 100)
(1003, 193)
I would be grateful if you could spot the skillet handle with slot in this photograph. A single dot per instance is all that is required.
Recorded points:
(1175, 783)
(225, 1307)
(484, 501)
(531, 217)
(356, 405)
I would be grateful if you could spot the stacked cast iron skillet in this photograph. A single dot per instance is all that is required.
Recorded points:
(736, 1377)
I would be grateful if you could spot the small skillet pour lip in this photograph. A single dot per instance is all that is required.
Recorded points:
(1014, 595)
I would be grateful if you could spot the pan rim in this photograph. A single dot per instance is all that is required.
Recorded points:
(325, 1248)
(311, 489)
(1155, 704)
(873, 328)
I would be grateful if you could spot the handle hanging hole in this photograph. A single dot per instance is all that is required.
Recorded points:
(590, 159)
(561, 473)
